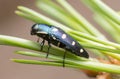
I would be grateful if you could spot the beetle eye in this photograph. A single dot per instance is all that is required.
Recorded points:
(34, 29)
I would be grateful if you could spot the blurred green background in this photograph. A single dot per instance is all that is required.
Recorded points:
(13, 25)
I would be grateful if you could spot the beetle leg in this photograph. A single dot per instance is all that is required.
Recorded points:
(49, 45)
(64, 56)
(38, 40)
(42, 44)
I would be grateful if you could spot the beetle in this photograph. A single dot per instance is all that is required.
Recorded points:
(59, 38)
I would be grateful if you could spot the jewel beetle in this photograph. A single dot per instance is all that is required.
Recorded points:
(59, 38)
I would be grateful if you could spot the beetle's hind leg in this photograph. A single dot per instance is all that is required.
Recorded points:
(64, 56)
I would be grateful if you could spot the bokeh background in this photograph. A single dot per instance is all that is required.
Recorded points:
(13, 25)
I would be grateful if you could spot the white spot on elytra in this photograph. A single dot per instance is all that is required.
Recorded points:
(63, 36)
(55, 30)
(73, 43)
(81, 50)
